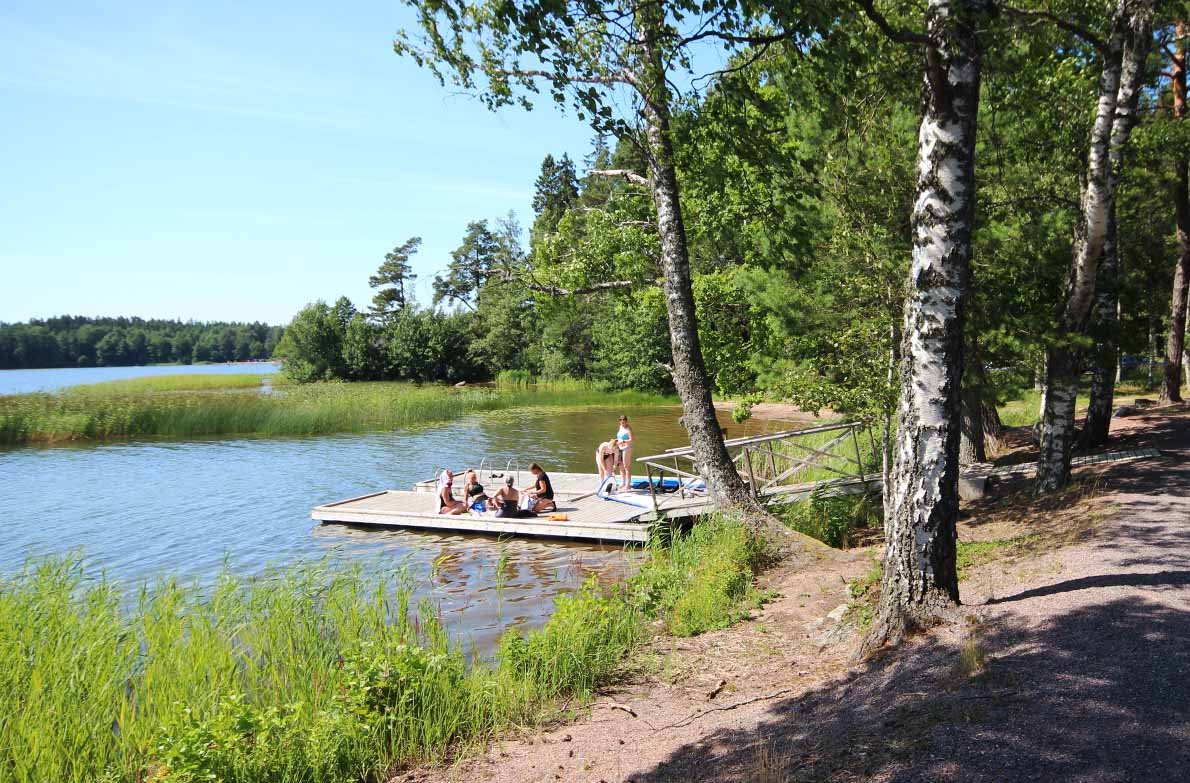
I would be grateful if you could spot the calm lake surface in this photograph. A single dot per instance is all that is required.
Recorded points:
(25, 381)
(143, 509)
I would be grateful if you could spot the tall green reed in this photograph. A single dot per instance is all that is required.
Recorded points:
(313, 409)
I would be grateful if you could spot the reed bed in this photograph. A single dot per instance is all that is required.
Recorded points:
(310, 674)
(315, 409)
(176, 383)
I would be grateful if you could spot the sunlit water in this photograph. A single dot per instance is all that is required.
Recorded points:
(143, 509)
(25, 381)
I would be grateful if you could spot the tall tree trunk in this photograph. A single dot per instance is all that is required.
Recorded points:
(972, 447)
(993, 428)
(1175, 342)
(920, 584)
(689, 370)
(1119, 90)
(1104, 359)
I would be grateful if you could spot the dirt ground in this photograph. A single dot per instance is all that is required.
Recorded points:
(1072, 662)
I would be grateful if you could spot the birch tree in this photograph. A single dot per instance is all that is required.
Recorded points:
(1175, 345)
(614, 63)
(920, 584)
(1121, 77)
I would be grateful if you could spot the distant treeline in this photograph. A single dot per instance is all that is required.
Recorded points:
(78, 341)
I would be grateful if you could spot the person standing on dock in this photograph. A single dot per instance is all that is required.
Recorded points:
(624, 441)
(606, 460)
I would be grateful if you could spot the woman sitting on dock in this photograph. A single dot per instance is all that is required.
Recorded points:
(446, 496)
(542, 491)
(507, 502)
(477, 499)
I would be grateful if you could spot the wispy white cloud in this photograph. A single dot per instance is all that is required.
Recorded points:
(163, 68)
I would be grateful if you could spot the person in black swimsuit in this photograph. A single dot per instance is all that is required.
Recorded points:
(542, 491)
(477, 499)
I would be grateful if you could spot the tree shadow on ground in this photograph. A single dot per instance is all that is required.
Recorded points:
(1098, 694)
(1097, 691)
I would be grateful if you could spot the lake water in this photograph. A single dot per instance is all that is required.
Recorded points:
(25, 381)
(142, 509)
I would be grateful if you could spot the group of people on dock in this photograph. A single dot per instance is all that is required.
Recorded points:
(615, 456)
(506, 502)
(611, 457)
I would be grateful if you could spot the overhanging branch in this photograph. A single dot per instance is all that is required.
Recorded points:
(1061, 22)
(894, 33)
(626, 174)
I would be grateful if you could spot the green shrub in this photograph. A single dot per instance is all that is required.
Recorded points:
(703, 579)
(832, 520)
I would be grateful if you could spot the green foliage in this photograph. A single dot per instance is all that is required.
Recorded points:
(312, 673)
(309, 409)
(834, 521)
(312, 348)
(391, 279)
(584, 641)
(702, 580)
(76, 341)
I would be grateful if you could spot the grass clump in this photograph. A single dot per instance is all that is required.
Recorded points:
(305, 675)
(865, 596)
(313, 409)
(176, 383)
(702, 580)
(838, 521)
(309, 674)
(971, 554)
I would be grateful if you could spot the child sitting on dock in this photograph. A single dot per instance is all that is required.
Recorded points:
(446, 497)
(541, 494)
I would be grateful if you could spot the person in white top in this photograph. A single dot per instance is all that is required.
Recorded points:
(624, 441)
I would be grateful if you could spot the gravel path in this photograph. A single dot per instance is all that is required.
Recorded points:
(1073, 665)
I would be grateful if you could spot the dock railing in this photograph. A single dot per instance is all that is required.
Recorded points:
(770, 463)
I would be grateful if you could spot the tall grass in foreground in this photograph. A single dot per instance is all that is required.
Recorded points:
(312, 674)
(314, 409)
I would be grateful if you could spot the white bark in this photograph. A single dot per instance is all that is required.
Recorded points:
(1119, 89)
(919, 561)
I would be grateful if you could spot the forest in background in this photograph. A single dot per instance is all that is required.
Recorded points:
(798, 184)
(79, 341)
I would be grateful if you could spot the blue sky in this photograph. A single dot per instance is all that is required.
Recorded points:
(234, 161)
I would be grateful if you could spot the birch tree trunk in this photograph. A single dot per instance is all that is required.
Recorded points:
(1119, 90)
(689, 370)
(1176, 341)
(920, 585)
(1104, 325)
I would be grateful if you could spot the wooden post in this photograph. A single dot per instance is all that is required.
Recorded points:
(652, 489)
(772, 461)
(751, 475)
(859, 460)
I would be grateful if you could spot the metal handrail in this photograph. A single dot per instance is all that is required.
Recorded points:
(774, 482)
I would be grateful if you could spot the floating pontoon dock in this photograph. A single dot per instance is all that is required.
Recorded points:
(590, 516)
(629, 516)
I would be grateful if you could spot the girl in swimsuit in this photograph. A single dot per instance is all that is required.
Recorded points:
(625, 440)
(446, 496)
(605, 459)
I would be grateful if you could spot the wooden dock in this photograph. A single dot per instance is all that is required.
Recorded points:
(590, 517)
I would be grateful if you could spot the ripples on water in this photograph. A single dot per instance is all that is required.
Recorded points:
(139, 510)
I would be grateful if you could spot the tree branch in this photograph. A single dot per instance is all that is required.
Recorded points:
(1065, 24)
(626, 174)
(896, 34)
